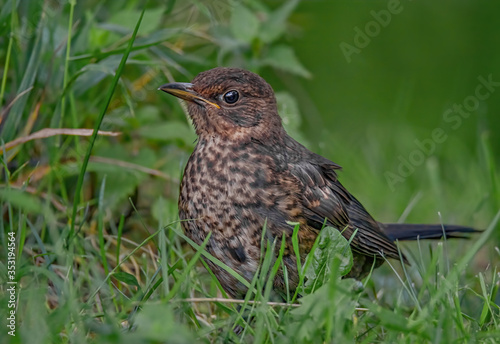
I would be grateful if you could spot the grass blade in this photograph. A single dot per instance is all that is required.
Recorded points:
(98, 125)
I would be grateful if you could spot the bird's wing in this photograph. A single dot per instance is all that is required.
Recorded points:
(321, 199)
(370, 238)
(326, 201)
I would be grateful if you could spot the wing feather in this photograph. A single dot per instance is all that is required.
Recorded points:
(326, 201)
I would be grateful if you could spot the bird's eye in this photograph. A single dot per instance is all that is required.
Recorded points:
(231, 97)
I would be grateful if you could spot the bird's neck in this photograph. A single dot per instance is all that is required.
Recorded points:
(271, 136)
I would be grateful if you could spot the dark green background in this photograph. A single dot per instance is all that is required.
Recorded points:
(394, 92)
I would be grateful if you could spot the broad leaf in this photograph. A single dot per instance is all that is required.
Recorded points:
(284, 58)
(275, 24)
(332, 245)
(244, 24)
(126, 278)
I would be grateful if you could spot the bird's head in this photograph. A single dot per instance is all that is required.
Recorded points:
(230, 104)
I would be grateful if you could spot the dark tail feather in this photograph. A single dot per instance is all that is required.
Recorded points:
(402, 231)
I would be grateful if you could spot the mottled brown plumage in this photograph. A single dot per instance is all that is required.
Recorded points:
(246, 171)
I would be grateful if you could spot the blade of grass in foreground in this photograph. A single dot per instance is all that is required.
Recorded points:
(188, 269)
(454, 274)
(214, 260)
(98, 125)
(72, 4)
(9, 51)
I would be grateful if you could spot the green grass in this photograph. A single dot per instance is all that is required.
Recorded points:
(100, 256)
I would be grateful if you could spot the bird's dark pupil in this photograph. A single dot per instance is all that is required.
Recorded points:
(231, 97)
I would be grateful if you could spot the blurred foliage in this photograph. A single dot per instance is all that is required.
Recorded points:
(113, 281)
(176, 41)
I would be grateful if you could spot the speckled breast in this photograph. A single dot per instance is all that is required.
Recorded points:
(231, 190)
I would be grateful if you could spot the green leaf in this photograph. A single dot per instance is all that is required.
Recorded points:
(321, 307)
(244, 24)
(331, 245)
(275, 25)
(127, 18)
(284, 58)
(126, 278)
(90, 75)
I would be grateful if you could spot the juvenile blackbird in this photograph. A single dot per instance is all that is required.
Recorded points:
(246, 171)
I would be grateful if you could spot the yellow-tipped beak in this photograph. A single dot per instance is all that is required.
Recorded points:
(185, 91)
